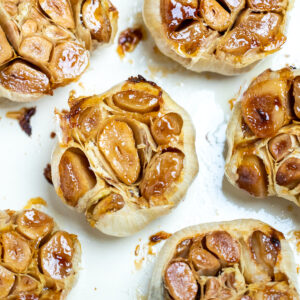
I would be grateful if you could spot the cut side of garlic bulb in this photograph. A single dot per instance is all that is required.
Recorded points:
(263, 137)
(241, 259)
(221, 36)
(125, 157)
(46, 44)
(38, 261)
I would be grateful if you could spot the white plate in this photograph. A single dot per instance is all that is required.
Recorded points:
(108, 268)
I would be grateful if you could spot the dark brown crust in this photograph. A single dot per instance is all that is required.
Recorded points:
(47, 173)
(140, 78)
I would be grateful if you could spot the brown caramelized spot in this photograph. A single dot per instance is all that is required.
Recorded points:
(16, 252)
(56, 256)
(158, 237)
(59, 11)
(280, 145)
(267, 5)
(253, 176)
(214, 15)
(180, 281)
(96, 20)
(204, 262)
(36, 48)
(254, 31)
(288, 174)
(48, 174)
(264, 107)
(110, 204)
(117, 143)
(6, 51)
(76, 177)
(69, 60)
(34, 224)
(265, 250)
(136, 101)
(296, 94)
(21, 78)
(161, 173)
(24, 116)
(224, 246)
(128, 40)
(7, 280)
(166, 127)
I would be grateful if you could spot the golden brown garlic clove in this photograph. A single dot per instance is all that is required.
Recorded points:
(267, 5)
(6, 52)
(180, 281)
(183, 248)
(166, 127)
(280, 146)
(24, 284)
(136, 101)
(56, 256)
(29, 27)
(59, 11)
(95, 19)
(16, 252)
(296, 94)
(117, 144)
(76, 177)
(288, 174)
(34, 224)
(215, 15)
(161, 173)
(112, 203)
(7, 280)
(21, 78)
(224, 246)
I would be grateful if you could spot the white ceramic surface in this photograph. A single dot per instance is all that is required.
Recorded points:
(108, 264)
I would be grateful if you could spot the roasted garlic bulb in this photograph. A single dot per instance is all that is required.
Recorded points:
(263, 137)
(236, 260)
(44, 43)
(222, 36)
(38, 261)
(125, 157)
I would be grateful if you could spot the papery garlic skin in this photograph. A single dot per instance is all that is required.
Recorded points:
(125, 157)
(263, 137)
(241, 259)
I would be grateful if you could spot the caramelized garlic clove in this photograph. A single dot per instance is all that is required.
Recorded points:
(280, 146)
(136, 101)
(6, 52)
(36, 49)
(252, 176)
(76, 177)
(265, 250)
(204, 262)
(21, 78)
(161, 173)
(215, 15)
(112, 203)
(59, 11)
(56, 256)
(7, 280)
(117, 143)
(16, 252)
(288, 173)
(34, 224)
(68, 61)
(166, 127)
(183, 248)
(180, 281)
(224, 246)
(96, 20)
(25, 284)
(270, 5)
(296, 94)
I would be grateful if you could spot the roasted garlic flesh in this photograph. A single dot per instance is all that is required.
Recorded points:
(38, 261)
(263, 137)
(222, 36)
(242, 259)
(46, 43)
(125, 157)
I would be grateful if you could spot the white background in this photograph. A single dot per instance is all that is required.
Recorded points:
(108, 268)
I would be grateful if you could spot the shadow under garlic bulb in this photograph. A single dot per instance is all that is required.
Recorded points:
(125, 157)
(263, 137)
(242, 260)
(38, 261)
(223, 36)
(46, 43)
